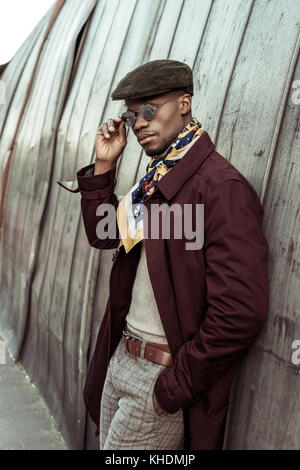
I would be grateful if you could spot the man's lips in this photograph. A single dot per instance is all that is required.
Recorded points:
(144, 138)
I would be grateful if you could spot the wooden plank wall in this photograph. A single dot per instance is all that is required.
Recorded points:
(54, 287)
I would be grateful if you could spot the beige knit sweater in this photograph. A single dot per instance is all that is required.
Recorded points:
(143, 317)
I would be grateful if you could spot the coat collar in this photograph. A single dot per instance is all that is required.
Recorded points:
(170, 184)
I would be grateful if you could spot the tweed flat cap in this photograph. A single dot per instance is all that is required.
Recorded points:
(154, 78)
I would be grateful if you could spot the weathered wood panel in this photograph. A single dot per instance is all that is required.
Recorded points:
(17, 78)
(26, 197)
(257, 85)
(265, 408)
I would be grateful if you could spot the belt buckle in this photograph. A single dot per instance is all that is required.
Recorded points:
(129, 338)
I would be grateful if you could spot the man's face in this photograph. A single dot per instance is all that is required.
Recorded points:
(171, 116)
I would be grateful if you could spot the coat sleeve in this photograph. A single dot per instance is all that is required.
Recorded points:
(96, 190)
(237, 287)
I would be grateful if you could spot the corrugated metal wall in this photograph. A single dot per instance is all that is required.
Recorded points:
(54, 287)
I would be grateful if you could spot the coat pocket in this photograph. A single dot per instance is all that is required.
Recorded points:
(154, 371)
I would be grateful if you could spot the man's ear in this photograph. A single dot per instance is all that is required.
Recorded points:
(185, 103)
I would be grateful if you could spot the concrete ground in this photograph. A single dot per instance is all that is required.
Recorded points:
(25, 421)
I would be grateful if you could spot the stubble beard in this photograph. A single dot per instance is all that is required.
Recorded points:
(159, 151)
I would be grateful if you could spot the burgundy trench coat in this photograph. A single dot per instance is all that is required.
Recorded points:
(212, 301)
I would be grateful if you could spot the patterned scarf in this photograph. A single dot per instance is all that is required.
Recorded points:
(130, 209)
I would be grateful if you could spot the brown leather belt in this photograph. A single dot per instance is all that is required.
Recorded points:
(155, 352)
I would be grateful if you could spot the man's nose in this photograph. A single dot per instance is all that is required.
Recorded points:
(140, 123)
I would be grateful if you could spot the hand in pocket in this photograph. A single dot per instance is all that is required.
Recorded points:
(157, 408)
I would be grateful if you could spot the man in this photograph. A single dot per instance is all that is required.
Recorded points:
(180, 315)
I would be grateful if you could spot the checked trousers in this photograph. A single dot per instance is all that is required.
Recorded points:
(127, 416)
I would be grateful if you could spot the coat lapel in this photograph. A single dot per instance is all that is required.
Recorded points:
(170, 184)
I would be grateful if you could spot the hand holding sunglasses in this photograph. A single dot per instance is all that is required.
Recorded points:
(110, 142)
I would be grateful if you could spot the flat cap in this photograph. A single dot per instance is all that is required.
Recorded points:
(153, 78)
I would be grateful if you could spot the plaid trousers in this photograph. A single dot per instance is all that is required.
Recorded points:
(127, 416)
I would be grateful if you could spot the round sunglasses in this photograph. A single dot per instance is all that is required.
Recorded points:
(147, 111)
